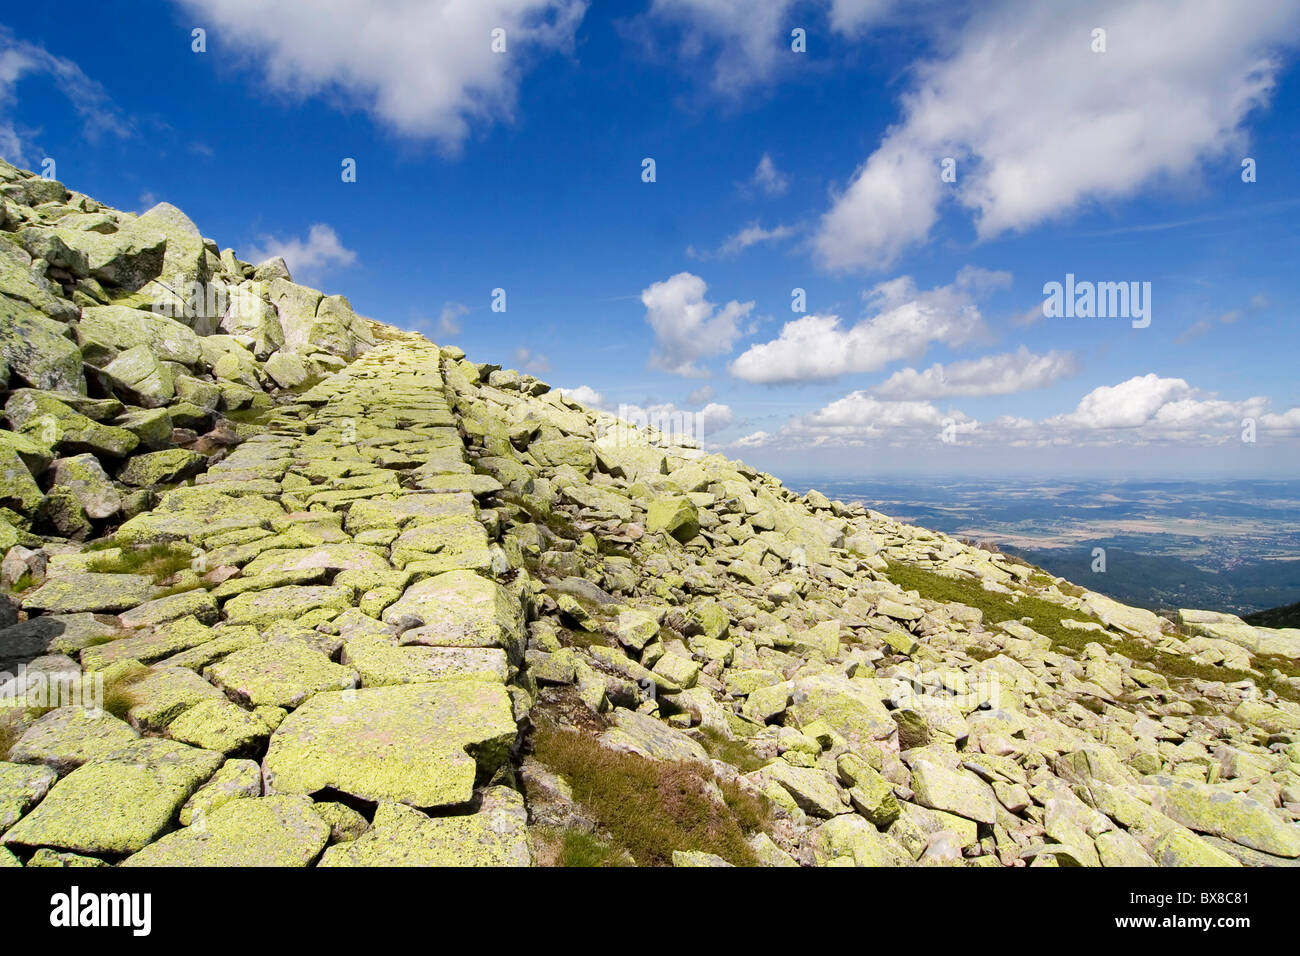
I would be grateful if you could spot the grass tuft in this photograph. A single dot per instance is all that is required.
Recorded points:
(651, 808)
(158, 561)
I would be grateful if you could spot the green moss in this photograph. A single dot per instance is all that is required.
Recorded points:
(1045, 616)
(581, 638)
(650, 808)
(25, 582)
(734, 752)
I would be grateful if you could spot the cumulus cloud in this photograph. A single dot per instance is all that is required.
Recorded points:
(20, 60)
(321, 251)
(670, 419)
(687, 326)
(700, 395)
(1143, 410)
(1004, 374)
(423, 68)
(1039, 124)
(586, 395)
(905, 322)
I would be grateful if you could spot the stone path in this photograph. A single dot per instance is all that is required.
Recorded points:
(361, 655)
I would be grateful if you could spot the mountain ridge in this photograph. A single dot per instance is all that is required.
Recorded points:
(345, 590)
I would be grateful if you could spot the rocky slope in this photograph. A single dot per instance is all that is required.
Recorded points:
(333, 595)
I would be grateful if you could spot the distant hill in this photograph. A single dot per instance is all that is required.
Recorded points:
(1164, 581)
(1286, 616)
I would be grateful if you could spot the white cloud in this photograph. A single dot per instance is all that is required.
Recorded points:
(531, 362)
(905, 324)
(586, 395)
(743, 37)
(307, 258)
(449, 318)
(1040, 125)
(1258, 302)
(20, 59)
(1149, 407)
(668, 418)
(751, 235)
(748, 41)
(768, 178)
(687, 326)
(700, 395)
(424, 68)
(752, 440)
(1144, 410)
(1003, 374)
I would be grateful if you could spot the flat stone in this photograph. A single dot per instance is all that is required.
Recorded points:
(163, 694)
(954, 791)
(198, 604)
(235, 780)
(410, 743)
(813, 790)
(90, 591)
(153, 644)
(261, 831)
(400, 836)
(278, 674)
(21, 787)
(381, 661)
(853, 708)
(1233, 816)
(225, 727)
(119, 802)
(67, 737)
(460, 609)
(261, 608)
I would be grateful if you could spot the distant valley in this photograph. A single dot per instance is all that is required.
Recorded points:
(1228, 545)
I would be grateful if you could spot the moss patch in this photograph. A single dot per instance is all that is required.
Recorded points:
(651, 808)
(734, 752)
(996, 607)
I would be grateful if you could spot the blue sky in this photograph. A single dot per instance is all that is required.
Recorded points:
(923, 346)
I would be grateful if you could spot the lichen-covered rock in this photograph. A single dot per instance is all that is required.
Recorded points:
(104, 331)
(409, 744)
(261, 608)
(90, 591)
(459, 609)
(38, 349)
(496, 835)
(18, 489)
(85, 477)
(141, 378)
(118, 802)
(278, 674)
(160, 467)
(674, 516)
(235, 780)
(261, 831)
(21, 786)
